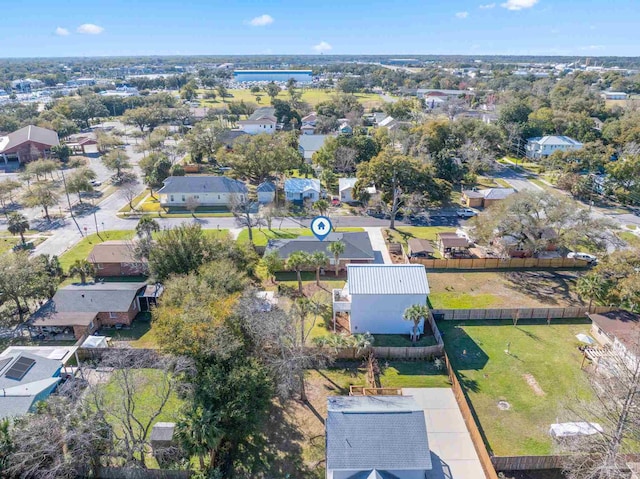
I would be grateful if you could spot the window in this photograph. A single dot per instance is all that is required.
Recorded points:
(183, 198)
(113, 315)
(218, 196)
(172, 198)
(100, 266)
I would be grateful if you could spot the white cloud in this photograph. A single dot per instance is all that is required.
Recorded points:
(592, 47)
(90, 29)
(462, 14)
(487, 6)
(61, 32)
(261, 21)
(518, 4)
(322, 47)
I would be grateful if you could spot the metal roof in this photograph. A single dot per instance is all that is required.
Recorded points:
(300, 185)
(366, 433)
(266, 187)
(387, 279)
(555, 140)
(202, 184)
(311, 143)
(345, 183)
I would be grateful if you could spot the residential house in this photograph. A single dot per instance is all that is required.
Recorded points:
(376, 437)
(266, 192)
(618, 330)
(263, 120)
(309, 124)
(614, 95)
(309, 144)
(81, 309)
(25, 379)
(485, 197)
(298, 190)
(420, 248)
(80, 141)
(345, 129)
(389, 122)
(345, 189)
(540, 147)
(357, 247)
(376, 297)
(207, 190)
(308, 130)
(27, 144)
(116, 258)
(452, 245)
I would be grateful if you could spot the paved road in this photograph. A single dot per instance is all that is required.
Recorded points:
(516, 180)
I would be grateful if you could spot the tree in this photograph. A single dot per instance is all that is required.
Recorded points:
(272, 90)
(322, 206)
(22, 279)
(537, 221)
(297, 261)
(144, 117)
(192, 205)
(117, 160)
(591, 286)
(42, 195)
(222, 92)
(336, 249)
(243, 211)
(7, 190)
(80, 181)
(318, 260)
(82, 268)
(397, 176)
(416, 313)
(146, 227)
(204, 139)
(155, 169)
(189, 91)
(18, 224)
(61, 152)
(273, 264)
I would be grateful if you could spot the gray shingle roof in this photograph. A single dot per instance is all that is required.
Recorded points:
(376, 432)
(96, 297)
(387, 279)
(202, 184)
(373, 474)
(29, 133)
(497, 193)
(357, 246)
(265, 111)
(312, 143)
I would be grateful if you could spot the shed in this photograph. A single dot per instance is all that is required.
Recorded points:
(420, 248)
(162, 435)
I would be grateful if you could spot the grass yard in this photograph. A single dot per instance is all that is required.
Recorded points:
(82, 249)
(313, 96)
(146, 401)
(538, 378)
(261, 237)
(502, 289)
(630, 238)
(138, 335)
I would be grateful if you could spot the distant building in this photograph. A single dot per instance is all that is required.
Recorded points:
(540, 147)
(79, 82)
(613, 95)
(26, 85)
(298, 190)
(300, 76)
(207, 190)
(263, 120)
(27, 144)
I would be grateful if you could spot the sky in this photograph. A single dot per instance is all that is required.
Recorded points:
(216, 27)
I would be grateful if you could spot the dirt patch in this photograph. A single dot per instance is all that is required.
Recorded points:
(533, 384)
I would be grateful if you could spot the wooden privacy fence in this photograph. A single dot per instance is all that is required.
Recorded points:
(526, 463)
(519, 313)
(126, 473)
(474, 432)
(383, 352)
(498, 263)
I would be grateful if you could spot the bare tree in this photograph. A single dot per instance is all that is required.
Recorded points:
(616, 386)
(130, 191)
(244, 212)
(345, 159)
(192, 205)
(141, 386)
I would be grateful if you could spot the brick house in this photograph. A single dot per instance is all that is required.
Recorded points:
(116, 258)
(84, 308)
(27, 144)
(486, 197)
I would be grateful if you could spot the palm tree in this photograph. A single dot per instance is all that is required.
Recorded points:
(591, 286)
(297, 261)
(146, 227)
(18, 224)
(415, 313)
(318, 260)
(82, 268)
(322, 206)
(336, 249)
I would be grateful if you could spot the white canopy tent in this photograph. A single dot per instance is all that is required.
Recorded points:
(95, 342)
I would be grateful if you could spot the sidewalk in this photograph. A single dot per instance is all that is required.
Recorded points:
(379, 246)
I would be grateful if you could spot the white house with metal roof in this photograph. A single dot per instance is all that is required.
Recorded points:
(540, 147)
(298, 190)
(376, 297)
(376, 437)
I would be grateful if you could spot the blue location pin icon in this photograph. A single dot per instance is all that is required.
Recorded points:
(321, 227)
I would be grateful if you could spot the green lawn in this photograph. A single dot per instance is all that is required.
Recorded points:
(629, 238)
(261, 237)
(313, 96)
(546, 356)
(82, 249)
(462, 300)
(138, 335)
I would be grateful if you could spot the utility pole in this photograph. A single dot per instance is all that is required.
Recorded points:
(64, 182)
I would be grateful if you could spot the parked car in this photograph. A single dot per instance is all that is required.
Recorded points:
(335, 202)
(589, 258)
(96, 183)
(466, 213)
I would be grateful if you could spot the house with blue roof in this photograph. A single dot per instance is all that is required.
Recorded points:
(376, 437)
(299, 190)
(266, 192)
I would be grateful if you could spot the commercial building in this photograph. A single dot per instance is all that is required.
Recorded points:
(300, 76)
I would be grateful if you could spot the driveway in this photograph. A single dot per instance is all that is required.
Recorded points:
(453, 455)
(379, 246)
